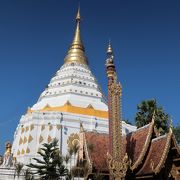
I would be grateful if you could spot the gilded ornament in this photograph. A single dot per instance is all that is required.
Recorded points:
(42, 127)
(25, 140)
(27, 151)
(31, 127)
(41, 139)
(73, 140)
(30, 138)
(49, 139)
(58, 126)
(50, 127)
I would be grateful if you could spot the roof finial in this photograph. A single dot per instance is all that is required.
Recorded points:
(109, 49)
(78, 16)
(171, 122)
(76, 52)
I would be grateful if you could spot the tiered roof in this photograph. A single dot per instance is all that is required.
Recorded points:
(148, 153)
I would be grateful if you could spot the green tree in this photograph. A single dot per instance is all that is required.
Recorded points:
(18, 169)
(177, 133)
(50, 165)
(28, 175)
(127, 121)
(145, 112)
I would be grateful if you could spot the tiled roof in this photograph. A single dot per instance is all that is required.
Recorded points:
(133, 144)
(154, 156)
(98, 155)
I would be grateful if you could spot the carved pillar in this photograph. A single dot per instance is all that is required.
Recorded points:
(118, 164)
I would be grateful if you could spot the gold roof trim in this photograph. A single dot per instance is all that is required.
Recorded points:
(165, 153)
(77, 110)
(90, 106)
(145, 147)
(87, 155)
(76, 52)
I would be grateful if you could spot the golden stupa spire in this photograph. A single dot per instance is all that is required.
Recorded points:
(76, 52)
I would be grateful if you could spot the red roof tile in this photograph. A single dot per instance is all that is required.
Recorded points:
(154, 155)
(133, 144)
(100, 148)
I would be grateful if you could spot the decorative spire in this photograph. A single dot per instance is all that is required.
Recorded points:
(78, 16)
(118, 164)
(109, 49)
(76, 52)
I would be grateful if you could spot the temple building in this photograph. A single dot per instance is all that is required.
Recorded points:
(74, 110)
(72, 97)
(142, 154)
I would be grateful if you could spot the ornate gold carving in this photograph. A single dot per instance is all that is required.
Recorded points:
(22, 151)
(27, 151)
(30, 138)
(22, 130)
(50, 127)
(58, 126)
(42, 127)
(27, 128)
(145, 147)
(81, 127)
(90, 106)
(8, 147)
(49, 139)
(73, 140)
(157, 169)
(81, 144)
(25, 140)
(18, 153)
(31, 127)
(87, 156)
(41, 139)
(118, 165)
(68, 103)
(118, 168)
(20, 141)
(174, 172)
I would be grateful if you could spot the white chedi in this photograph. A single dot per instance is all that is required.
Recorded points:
(72, 97)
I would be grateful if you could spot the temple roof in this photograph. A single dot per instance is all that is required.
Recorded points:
(135, 144)
(147, 153)
(157, 148)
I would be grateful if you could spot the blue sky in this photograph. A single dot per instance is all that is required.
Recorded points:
(35, 35)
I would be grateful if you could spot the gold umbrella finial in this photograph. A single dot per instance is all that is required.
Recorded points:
(109, 49)
(76, 52)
